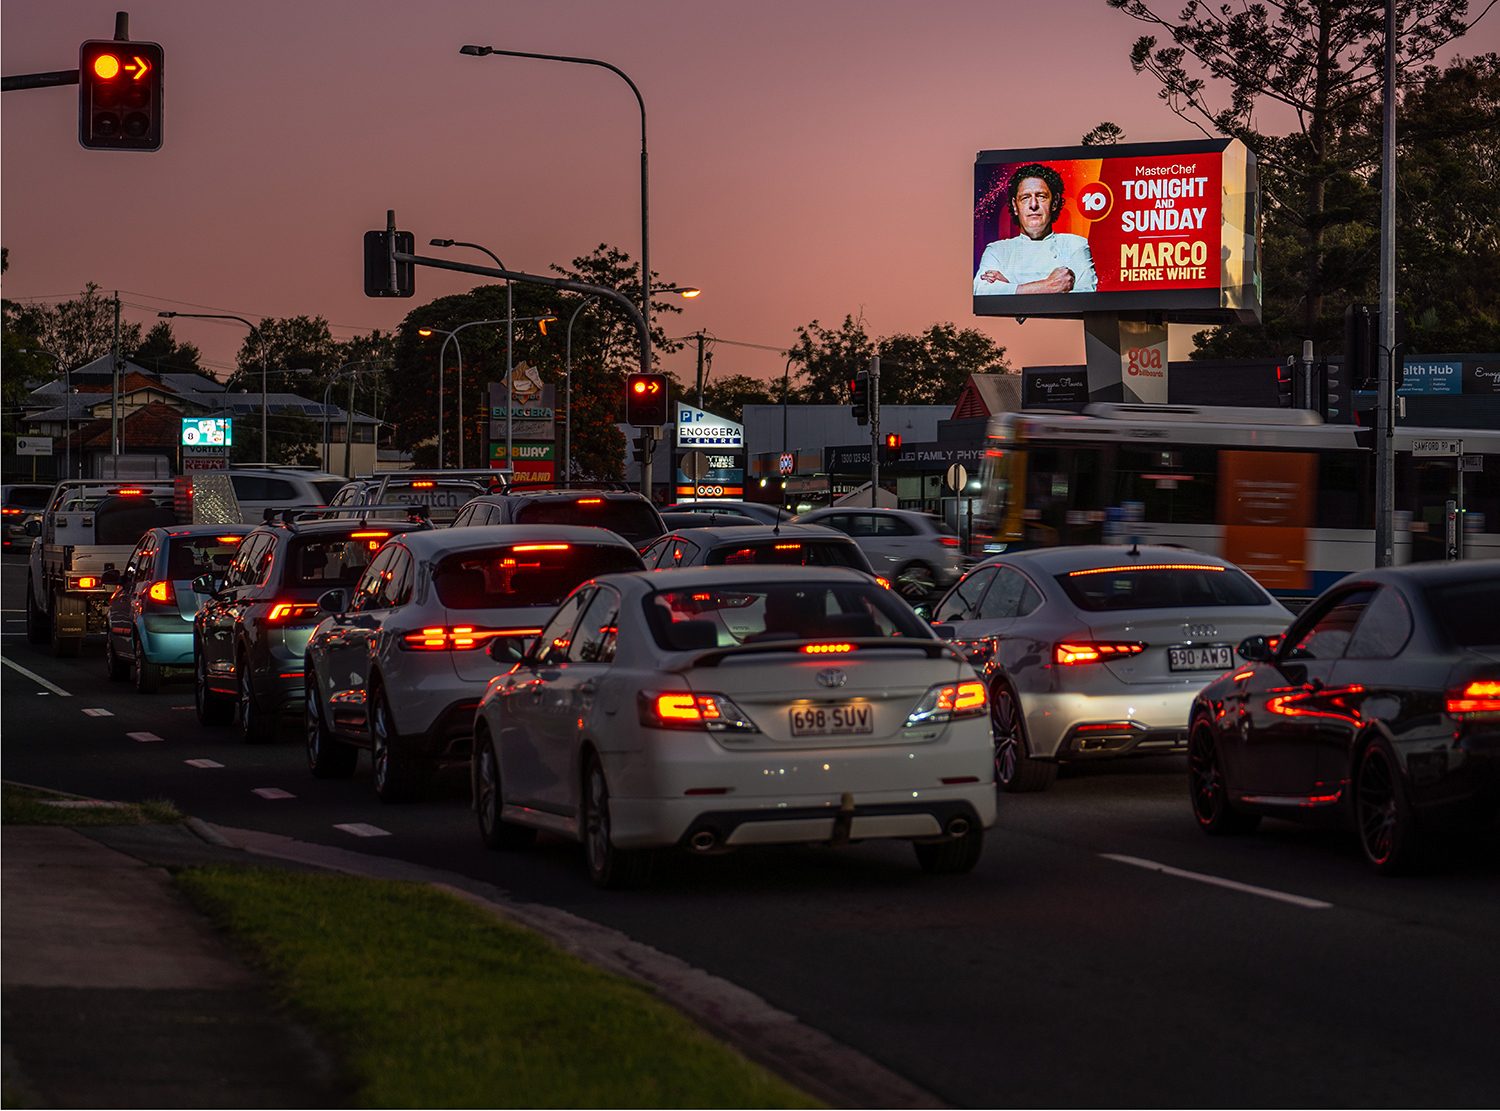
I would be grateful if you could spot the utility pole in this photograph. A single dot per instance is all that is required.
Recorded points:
(700, 367)
(114, 396)
(1385, 390)
(874, 428)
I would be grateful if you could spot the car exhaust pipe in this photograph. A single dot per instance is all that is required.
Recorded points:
(957, 827)
(703, 840)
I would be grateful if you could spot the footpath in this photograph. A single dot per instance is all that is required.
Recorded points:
(117, 993)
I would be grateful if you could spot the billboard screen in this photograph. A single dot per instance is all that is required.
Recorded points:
(207, 431)
(1148, 227)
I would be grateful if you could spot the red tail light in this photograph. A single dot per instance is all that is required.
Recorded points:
(1095, 651)
(948, 541)
(369, 534)
(162, 592)
(1478, 698)
(229, 539)
(683, 710)
(10, 512)
(86, 582)
(290, 611)
(590, 501)
(541, 547)
(423, 484)
(458, 638)
(129, 491)
(827, 649)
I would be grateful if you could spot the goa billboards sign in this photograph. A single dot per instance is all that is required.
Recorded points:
(1145, 227)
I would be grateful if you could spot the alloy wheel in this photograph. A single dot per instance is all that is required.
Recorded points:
(597, 821)
(1005, 725)
(1377, 807)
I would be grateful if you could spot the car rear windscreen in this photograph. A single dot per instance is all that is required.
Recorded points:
(125, 518)
(1468, 613)
(330, 559)
(1155, 587)
(31, 497)
(191, 556)
(795, 553)
(635, 520)
(535, 574)
(708, 617)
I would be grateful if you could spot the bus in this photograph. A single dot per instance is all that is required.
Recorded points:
(1277, 491)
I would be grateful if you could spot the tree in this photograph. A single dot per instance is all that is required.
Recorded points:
(1321, 59)
(728, 396)
(161, 352)
(282, 347)
(926, 369)
(78, 331)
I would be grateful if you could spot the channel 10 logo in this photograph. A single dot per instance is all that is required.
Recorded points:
(207, 431)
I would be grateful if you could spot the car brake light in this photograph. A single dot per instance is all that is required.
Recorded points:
(684, 710)
(947, 701)
(10, 512)
(369, 534)
(590, 501)
(948, 541)
(1145, 567)
(1093, 651)
(788, 547)
(827, 649)
(458, 638)
(541, 547)
(229, 539)
(161, 592)
(1480, 697)
(289, 611)
(883, 581)
(129, 491)
(422, 484)
(86, 582)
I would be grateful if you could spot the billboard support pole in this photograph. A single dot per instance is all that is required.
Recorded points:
(1385, 392)
(874, 428)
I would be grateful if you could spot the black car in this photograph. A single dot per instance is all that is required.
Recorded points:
(20, 501)
(624, 513)
(250, 636)
(1379, 709)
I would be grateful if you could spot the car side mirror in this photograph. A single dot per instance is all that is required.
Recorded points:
(205, 584)
(110, 576)
(944, 632)
(508, 650)
(1256, 649)
(923, 610)
(333, 601)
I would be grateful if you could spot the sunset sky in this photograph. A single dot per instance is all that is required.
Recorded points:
(808, 159)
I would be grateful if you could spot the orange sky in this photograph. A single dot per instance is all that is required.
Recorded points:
(808, 159)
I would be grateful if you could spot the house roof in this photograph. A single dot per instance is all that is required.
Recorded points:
(984, 395)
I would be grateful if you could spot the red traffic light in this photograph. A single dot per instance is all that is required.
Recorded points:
(119, 95)
(893, 440)
(646, 400)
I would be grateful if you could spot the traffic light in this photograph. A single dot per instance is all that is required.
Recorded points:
(646, 400)
(1286, 376)
(1361, 345)
(859, 396)
(119, 95)
(641, 448)
(379, 246)
(891, 450)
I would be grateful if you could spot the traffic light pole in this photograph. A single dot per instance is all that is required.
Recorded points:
(1385, 391)
(874, 428)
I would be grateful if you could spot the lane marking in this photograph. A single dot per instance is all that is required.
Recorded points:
(360, 829)
(99, 712)
(272, 793)
(144, 737)
(1219, 881)
(203, 763)
(34, 677)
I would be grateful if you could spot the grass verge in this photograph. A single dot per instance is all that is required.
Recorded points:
(34, 806)
(432, 1002)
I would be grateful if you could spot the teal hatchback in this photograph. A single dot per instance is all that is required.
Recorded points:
(152, 609)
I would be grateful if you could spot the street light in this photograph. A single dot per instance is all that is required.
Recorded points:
(453, 335)
(265, 440)
(484, 51)
(510, 328)
(686, 291)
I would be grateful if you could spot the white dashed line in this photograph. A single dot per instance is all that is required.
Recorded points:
(35, 678)
(360, 829)
(203, 763)
(143, 737)
(1218, 881)
(272, 793)
(98, 712)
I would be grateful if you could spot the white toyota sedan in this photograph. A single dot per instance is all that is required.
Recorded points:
(719, 707)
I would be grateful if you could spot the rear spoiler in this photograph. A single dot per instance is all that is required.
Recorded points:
(932, 649)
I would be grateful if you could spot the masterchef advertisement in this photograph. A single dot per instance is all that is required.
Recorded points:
(1158, 227)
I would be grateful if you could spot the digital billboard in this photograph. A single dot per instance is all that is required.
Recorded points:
(207, 431)
(1165, 228)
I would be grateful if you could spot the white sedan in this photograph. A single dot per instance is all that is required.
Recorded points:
(399, 668)
(718, 707)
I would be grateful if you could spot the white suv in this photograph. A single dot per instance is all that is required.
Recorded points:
(916, 551)
(260, 488)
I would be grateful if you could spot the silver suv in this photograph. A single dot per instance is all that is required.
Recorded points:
(916, 551)
(260, 488)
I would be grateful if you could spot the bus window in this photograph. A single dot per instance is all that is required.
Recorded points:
(1063, 495)
(1177, 486)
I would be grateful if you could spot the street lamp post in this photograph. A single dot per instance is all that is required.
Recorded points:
(265, 441)
(510, 330)
(482, 51)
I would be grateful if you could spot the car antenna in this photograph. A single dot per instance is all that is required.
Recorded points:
(1135, 546)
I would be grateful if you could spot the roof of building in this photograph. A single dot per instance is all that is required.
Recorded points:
(984, 395)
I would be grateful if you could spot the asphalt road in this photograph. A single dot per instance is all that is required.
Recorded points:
(1067, 969)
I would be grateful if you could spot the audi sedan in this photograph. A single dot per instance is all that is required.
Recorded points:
(399, 667)
(714, 708)
(1379, 710)
(1096, 652)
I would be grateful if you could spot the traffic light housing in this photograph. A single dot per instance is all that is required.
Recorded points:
(1286, 377)
(859, 396)
(1362, 350)
(891, 448)
(379, 246)
(119, 95)
(646, 400)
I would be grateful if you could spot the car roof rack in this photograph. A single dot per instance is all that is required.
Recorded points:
(417, 514)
